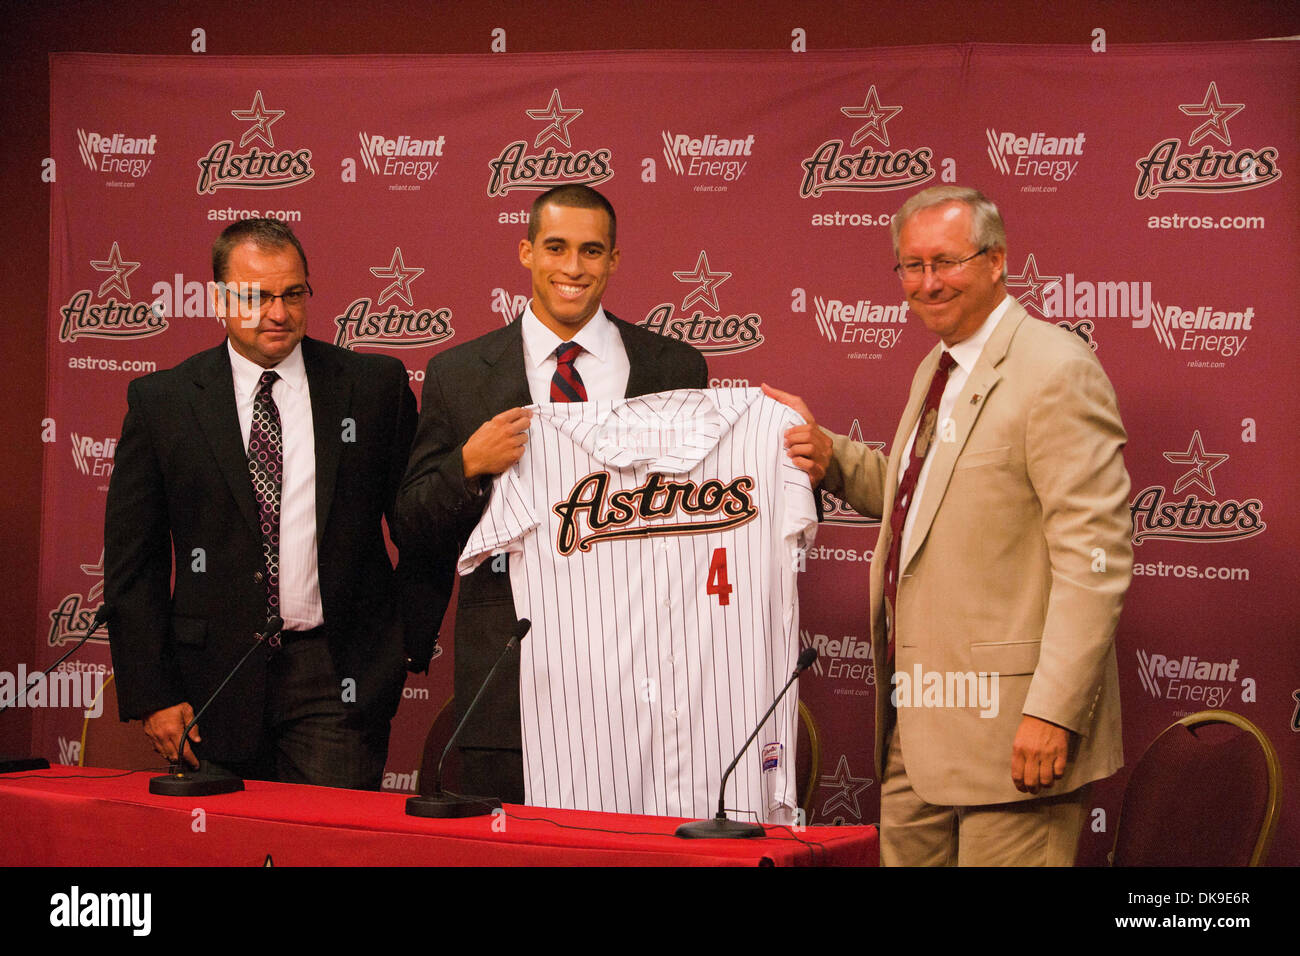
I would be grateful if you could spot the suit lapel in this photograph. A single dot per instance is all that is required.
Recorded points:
(506, 381)
(644, 367)
(911, 412)
(213, 404)
(970, 403)
(331, 397)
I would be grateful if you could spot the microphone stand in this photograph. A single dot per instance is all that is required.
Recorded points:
(180, 781)
(445, 804)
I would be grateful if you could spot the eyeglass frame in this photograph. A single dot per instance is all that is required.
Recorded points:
(264, 299)
(949, 266)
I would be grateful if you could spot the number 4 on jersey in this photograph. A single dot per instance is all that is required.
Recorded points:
(717, 581)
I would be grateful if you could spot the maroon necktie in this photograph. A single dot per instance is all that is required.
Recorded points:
(266, 469)
(925, 434)
(566, 383)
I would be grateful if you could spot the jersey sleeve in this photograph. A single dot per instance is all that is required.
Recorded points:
(507, 520)
(799, 516)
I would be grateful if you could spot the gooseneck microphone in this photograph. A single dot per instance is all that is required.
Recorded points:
(180, 781)
(446, 804)
(720, 827)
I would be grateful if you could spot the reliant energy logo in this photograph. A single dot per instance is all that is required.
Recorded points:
(834, 510)
(93, 457)
(224, 168)
(1202, 329)
(1166, 169)
(843, 658)
(71, 619)
(1036, 156)
(405, 157)
(709, 332)
(508, 306)
(396, 328)
(1074, 303)
(711, 157)
(117, 153)
(111, 318)
(1158, 514)
(516, 168)
(1186, 678)
(860, 322)
(832, 167)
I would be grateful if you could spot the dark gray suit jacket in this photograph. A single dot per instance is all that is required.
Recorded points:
(463, 388)
(180, 486)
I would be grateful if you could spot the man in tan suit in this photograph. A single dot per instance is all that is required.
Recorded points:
(1004, 514)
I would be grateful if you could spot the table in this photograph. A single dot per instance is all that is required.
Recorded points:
(75, 816)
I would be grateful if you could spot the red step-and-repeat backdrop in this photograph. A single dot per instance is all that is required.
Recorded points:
(1151, 207)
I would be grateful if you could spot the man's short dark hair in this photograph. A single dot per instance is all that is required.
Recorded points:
(574, 196)
(264, 233)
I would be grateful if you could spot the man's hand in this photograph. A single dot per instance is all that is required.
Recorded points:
(807, 445)
(498, 443)
(165, 727)
(1038, 754)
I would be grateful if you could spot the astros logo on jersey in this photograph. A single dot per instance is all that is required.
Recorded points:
(653, 498)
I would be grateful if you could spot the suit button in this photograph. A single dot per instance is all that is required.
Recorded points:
(257, 577)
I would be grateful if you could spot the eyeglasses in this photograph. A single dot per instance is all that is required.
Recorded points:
(941, 267)
(257, 300)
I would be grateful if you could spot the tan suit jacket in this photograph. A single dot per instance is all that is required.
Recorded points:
(1017, 564)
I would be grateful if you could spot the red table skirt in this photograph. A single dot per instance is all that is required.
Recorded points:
(69, 816)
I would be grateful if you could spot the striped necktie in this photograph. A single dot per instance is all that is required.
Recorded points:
(566, 383)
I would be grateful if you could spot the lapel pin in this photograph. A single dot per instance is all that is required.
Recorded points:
(975, 399)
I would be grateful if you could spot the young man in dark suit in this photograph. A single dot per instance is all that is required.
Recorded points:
(472, 427)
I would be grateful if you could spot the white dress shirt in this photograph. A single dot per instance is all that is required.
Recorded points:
(602, 365)
(965, 353)
(300, 605)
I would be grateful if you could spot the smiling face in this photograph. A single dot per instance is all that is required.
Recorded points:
(955, 306)
(571, 261)
(264, 335)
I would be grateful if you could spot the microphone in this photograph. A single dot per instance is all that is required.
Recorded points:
(720, 827)
(180, 781)
(446, 804)
(22, 764)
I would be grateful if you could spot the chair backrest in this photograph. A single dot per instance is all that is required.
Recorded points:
(808, 759)
(1205, 793)
(444, 722)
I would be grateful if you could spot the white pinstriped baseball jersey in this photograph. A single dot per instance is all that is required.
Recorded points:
(654, 544)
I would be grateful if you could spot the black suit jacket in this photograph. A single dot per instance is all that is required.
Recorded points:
(463, 388)
(180, 488)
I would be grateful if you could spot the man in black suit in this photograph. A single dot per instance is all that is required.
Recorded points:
(472, 428)
(260, 472)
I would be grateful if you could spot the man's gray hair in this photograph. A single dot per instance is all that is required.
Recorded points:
(986, 226)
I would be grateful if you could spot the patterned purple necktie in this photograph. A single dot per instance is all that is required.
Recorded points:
(926, 427)
(266, 469)
(566, 383)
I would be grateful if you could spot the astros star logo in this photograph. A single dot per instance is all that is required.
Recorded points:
(708, 283)
(1218, 115)
(95, 571)
(121, 268)
(1201, 462)
(1034, 283)
(848, 786)
(876, 117)
(402, 276)
(261, 118)
(559, 118)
